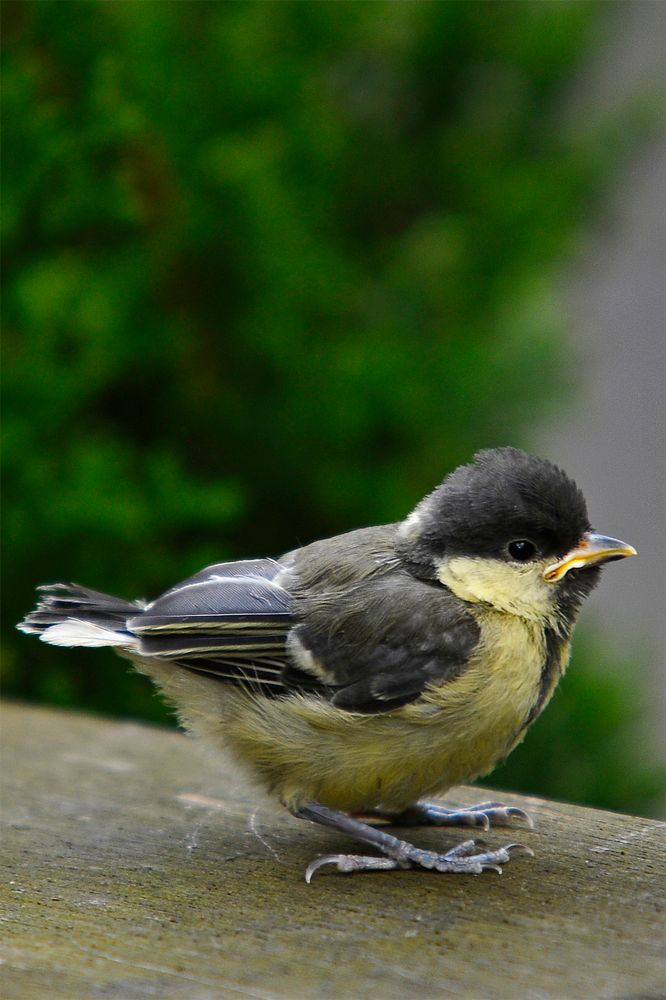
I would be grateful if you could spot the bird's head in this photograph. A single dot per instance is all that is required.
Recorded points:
(509, 530)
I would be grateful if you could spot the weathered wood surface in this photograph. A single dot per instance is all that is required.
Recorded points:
(135, 866)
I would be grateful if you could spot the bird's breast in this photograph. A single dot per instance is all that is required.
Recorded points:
(485, 712)
(307, 750)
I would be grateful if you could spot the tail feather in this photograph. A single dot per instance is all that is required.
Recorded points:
(69, 615)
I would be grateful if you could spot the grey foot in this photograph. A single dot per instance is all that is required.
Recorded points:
(485, 815)
(399, 853)
(460, 860)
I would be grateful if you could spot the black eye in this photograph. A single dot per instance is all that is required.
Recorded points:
(522, 549)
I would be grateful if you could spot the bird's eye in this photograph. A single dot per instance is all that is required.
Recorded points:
(521, 549)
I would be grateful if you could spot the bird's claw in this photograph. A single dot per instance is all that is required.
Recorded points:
(499, 811)
(459, 860)
(485, 815)
(349, 863)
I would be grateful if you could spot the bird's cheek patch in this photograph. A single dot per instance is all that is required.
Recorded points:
(513, 589)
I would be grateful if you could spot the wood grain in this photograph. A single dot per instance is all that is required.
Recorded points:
(134, 866)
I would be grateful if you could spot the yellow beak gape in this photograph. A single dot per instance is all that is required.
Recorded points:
(592, 550)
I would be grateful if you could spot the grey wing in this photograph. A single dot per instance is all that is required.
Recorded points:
(367, 645)
(377, 636)
(391, 667)
(229, 621)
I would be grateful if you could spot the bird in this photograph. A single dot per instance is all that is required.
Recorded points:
(358, 676)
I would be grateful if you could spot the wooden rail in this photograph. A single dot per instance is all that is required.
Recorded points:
(135, 866)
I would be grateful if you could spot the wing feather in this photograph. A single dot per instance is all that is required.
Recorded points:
(229, 621)
(367, 640)
(379, 636)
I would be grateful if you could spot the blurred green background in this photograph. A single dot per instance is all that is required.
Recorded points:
(272, 269)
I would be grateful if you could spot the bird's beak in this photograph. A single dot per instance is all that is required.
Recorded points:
(592, 550)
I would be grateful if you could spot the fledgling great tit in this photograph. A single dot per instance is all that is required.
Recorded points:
(360, 674)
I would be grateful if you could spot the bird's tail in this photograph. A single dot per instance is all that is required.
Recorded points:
(69, 615)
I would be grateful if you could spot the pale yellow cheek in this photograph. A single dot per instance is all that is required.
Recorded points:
(517, 590)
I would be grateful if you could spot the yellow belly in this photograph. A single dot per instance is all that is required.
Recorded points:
(304, 750)
(307, 751)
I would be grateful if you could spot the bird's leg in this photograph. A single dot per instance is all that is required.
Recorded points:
(399, 853)
(485, 815)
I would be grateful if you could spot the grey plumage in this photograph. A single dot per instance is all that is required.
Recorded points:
(61, 602)
(374, 659)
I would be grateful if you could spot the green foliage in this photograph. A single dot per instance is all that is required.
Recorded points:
(270, 270)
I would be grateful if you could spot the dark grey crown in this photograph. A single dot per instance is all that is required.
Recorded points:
(503, 494)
